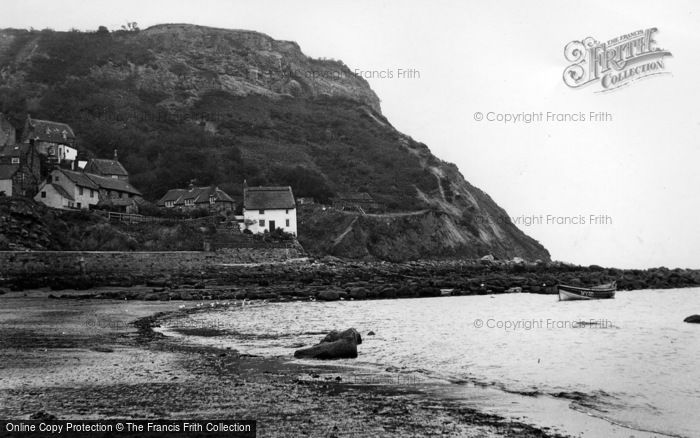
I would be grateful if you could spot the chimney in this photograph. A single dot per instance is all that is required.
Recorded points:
(115, 155)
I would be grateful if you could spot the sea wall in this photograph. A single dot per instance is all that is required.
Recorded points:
(70, 263)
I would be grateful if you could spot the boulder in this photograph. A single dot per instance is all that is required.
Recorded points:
(350, 334)
(388, 292)
(340, 349)
(328, 295)
(358, 293)
(693, 319)
(336, 345)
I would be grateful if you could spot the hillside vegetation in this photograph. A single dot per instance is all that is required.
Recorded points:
(183, 103)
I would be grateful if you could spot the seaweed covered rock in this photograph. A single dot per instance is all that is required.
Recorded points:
(336, 345)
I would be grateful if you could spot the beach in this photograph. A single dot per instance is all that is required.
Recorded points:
(100, 359)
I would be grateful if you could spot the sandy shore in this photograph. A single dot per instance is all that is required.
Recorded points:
(86, 359)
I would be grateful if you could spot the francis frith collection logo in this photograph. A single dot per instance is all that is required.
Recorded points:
(614, 63)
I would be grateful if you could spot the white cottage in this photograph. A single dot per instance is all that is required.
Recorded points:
(269, 208)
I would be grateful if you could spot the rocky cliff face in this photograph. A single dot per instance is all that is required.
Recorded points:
(202, 59)
(184, 102)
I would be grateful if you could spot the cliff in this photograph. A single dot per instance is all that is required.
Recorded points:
(183, 102)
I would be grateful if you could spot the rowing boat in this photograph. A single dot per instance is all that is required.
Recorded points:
(600, 292)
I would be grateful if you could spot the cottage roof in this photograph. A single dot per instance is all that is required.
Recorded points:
(262, 198)
(107, 183)
(106, 167)
(7, 171)
(172, 195)
(198, 195)
(48, 131)
(80, 179)
(61, 191)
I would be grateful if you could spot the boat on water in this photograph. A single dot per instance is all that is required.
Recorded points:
(600, 292)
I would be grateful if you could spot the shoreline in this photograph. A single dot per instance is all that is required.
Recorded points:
(57, 363)
(554, 412)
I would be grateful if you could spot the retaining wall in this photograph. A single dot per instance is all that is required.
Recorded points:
(59, 263)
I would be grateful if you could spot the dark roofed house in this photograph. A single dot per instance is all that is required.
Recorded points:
(113, 188)
(83, 190)
(269, 208)
(54, 140)
(47, 132)
(108, 168)
(211, 197)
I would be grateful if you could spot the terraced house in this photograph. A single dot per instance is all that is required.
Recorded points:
(81, 190)
(210, 198)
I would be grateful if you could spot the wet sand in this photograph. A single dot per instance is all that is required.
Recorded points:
(86, 359)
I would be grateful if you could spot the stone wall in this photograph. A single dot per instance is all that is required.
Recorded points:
(70, 263)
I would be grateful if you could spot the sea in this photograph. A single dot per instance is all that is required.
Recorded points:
(624, 367)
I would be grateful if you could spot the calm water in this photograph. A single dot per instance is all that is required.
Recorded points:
(630, 361)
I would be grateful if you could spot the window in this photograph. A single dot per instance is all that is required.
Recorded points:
(43, 194)
(286, 211)
(55, 178)
(261, 211)
(115, 177)
(15, 160)
(80, 191)
(212, 200)
(169, 203)
(287, 222)
(121, 195)
(92, 193)
(189, 201)
(261, 222)
(79, 205)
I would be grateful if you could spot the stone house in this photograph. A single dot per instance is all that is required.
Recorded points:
(210, 198)
(269, 208)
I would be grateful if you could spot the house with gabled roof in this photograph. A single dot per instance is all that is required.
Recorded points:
(69, 189)
(269, 208)
(211, 198)
(54, 140)
(109, 168)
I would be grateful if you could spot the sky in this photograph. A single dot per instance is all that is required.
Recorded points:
(636, 171)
